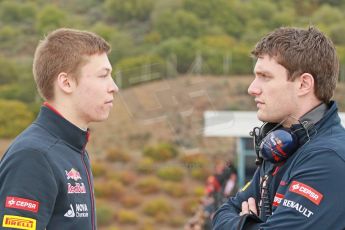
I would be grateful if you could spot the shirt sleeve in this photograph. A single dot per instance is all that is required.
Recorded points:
(314, 197)
(28, 190)
(227, 216)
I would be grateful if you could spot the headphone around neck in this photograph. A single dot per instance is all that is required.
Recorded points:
(276, 144)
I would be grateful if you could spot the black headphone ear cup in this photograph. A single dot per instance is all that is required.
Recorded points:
(258, 135)
(278, 145)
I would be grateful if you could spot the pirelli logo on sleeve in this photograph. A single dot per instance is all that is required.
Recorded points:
(306, 191)
(19, 222)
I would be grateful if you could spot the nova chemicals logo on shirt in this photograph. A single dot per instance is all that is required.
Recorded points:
(80, 210)
(70, 213)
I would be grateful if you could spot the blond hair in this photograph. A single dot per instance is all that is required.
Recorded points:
(63, 50)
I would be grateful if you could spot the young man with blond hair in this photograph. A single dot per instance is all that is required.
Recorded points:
(45, 176)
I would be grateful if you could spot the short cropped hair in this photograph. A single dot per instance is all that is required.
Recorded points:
(64, 50)
(303, 51)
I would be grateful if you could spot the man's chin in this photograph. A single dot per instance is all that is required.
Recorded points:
(100, 118)
(264, 117)
(261, 116)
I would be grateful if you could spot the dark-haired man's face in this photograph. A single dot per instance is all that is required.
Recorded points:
(275, 96)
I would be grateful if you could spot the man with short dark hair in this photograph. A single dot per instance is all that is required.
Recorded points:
(45, 176)
(300, 147)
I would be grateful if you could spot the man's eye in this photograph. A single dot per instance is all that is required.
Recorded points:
(265, 76)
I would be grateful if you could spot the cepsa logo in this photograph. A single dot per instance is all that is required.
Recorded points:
(306, 191)
(21, 203)
(19, 222)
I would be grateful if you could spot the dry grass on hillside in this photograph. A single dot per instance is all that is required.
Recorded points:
(162, 111)
(170, 110)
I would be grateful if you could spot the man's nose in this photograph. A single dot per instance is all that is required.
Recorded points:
(113, 88)
(254, 88)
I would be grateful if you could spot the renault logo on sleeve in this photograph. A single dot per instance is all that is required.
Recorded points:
(70, 213)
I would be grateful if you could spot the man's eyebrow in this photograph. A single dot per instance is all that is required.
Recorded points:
(261, 72)
(108, 70)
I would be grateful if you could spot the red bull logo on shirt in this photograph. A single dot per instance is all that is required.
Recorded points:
(77, 188)
(73, 174)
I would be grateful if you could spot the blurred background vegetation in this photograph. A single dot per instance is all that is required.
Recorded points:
(162, 36)
(151, 40)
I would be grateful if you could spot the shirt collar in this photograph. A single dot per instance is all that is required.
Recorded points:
(57, 125)
(313, 121)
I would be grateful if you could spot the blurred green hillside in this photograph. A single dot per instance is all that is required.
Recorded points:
(151, 39)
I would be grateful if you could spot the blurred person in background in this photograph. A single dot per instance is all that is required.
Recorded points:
(215, 190)
(300, 147)
(230, 187)
(218, 186)
(45, 176)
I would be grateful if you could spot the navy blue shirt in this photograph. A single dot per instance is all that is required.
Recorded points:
(45, 177)
(306, 192)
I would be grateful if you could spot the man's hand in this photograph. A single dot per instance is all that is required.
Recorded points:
(249, 207)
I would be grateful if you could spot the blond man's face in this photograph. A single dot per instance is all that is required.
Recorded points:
(94, 93)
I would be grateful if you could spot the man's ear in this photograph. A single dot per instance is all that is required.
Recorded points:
(65, 83)
(305, 84)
